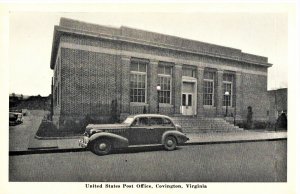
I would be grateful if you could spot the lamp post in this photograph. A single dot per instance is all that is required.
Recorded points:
(234, 97)
(158, 88)
(226, 100)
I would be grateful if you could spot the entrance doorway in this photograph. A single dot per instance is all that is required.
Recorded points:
(188, 98)
(187, 103)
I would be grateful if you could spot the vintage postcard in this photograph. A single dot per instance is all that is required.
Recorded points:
(149, 97)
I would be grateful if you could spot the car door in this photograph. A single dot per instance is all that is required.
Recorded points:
(139, 131)
(158, 126)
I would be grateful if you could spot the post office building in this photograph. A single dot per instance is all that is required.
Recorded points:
(107, 72)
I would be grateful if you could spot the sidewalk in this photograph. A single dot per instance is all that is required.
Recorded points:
(70, 144)
(235, 136)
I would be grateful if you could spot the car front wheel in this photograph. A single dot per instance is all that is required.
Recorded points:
(170, 143)
(101, 147)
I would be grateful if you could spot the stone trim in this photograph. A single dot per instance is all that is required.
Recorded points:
(157, 58)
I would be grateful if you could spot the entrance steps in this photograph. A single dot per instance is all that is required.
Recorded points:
(204, 124)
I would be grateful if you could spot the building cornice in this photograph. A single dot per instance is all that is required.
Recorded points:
(60, 30)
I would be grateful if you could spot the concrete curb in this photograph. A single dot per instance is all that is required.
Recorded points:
(45, 151)
(202, 131)
(57, 150)
(233, 141)
(215, 131)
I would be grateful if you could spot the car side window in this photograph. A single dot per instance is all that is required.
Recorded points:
(142, 121)
(167, 122)
(155, 121)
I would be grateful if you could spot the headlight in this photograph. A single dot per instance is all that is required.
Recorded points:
(88, 131)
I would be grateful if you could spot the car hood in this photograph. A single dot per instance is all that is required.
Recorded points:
(107, 126)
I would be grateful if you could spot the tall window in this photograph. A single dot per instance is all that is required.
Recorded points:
(138, 80)
(164, 80)
(227, 87)
(208, 98)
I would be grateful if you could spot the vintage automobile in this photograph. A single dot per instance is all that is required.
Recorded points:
(15, 118)
(143, 129)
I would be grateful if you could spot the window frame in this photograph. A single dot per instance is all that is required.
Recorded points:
(213, 89)
(150, 119)
(138, 73)
(136, 122)
(164, 75)
(171, 124)
(231, 89)
(230, 94)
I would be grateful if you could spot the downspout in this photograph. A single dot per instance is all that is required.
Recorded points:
(51, 108)
(276, 111)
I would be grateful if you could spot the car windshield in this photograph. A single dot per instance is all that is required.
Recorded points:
(128, 120)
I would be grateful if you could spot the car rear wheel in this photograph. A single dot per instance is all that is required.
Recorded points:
(101, 147)
(170, 143)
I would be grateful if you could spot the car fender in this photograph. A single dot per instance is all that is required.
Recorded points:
(180, 137)
(117, 140)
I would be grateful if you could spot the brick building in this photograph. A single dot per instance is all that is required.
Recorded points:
(278, 103)
(103, 72)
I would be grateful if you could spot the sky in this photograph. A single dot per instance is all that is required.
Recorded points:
(31, 35)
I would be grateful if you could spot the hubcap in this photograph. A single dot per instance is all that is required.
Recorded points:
(102, 146)
(170, 142)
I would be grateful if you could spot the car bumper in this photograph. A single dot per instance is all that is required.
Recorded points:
(83, 142)
(182, 139)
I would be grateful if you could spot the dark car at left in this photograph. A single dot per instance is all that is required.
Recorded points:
(15, 118)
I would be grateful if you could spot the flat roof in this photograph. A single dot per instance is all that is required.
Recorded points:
(153, 39)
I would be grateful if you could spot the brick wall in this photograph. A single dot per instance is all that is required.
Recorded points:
(278, 103)
(125, 87)
(254, 94)
(151, 86)
(89, 83)
(57, 89)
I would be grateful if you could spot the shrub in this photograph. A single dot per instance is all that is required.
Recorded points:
(260, 124)
(256, 125)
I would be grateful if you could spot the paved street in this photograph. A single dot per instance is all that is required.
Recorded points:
(225, 162)
(20, 135)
